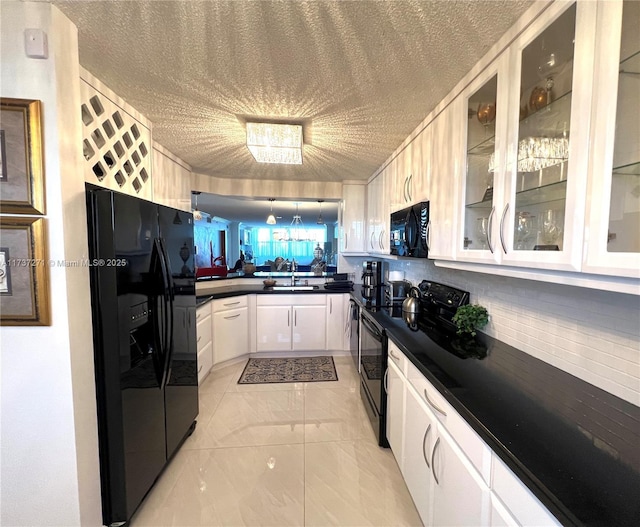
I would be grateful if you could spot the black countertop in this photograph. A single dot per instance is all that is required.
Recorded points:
(574, 445)
(227, 291)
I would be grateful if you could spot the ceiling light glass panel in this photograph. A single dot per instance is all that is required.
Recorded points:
(275, 143)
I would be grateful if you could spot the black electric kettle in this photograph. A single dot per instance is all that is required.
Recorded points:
(411, 308)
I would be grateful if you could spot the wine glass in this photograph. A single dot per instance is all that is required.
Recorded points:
(481, 230)
(524, 228)
(550, 229)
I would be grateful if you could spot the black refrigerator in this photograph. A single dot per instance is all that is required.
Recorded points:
(141, 257)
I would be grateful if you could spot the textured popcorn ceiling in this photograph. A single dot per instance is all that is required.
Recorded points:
(359, 75)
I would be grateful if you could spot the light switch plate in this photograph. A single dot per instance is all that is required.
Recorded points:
(35, 43)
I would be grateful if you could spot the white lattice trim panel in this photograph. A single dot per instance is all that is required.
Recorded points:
(116, 140)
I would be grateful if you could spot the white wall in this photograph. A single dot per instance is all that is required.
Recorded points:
(49, 451)
(592, 334)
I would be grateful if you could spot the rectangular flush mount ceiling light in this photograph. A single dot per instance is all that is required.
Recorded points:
(275, 143)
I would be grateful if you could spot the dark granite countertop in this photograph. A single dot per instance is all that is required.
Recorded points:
(574, 445)
(265, 274)
(227, 291)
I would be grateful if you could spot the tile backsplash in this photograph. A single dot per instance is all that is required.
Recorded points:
(592, 334)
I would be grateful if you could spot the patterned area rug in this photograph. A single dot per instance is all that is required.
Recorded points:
(298, 369)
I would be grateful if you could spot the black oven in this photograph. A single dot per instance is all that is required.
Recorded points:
(409, 231)
(373, 363)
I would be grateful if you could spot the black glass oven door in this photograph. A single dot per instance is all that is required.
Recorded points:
(371, 359)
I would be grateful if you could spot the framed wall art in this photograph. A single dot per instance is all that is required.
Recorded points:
(24, 272)
(21, 163)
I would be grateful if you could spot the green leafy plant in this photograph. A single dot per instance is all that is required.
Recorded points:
(470, 317)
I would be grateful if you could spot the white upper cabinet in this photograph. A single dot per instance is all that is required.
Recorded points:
(541, 218)
(410, 172)
(420, 175)
(485, 121)
(352, 219)
(446, 169)
(377, 241)
(613, 236)
(526, 142)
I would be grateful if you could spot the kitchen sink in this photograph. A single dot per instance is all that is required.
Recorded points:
(295, 287)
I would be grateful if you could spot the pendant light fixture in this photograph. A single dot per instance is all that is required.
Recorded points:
(197, 215)
(297, 227)
(320, 221)
(271, 219)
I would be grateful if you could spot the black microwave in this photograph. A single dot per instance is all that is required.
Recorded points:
(409, 231)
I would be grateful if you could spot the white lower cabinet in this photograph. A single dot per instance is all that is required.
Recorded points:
(445, 486)
(500, 516)
(419, 430)
(336, 321)
(273, 328)
(204, 344)
(460, 496)
(452, 475)
(394, 386)
(309, 328)
(526, 509)
(230, 329)
(291, 323)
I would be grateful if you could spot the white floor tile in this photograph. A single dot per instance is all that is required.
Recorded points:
(299, 454)
(233, 487)
(354, 483)
(255, 418)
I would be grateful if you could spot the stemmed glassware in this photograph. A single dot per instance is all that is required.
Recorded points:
(550, 229)
(481, 231)
(524, 229)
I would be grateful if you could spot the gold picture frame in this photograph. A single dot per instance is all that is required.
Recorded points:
(24, 272)
(21, 160)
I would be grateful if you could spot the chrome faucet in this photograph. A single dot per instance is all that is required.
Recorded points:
(293, 272)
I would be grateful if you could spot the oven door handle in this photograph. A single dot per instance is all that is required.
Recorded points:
(372, 329)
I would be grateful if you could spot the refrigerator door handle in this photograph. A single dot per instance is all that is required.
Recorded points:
(158, 310)
(167, 318)
(166, 267)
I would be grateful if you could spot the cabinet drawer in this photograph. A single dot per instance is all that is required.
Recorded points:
(525, 507)
(205, 361)
(233, 302)
(203, 311)
(467, 439)
(291, 300)
(398, 358)
(203, 332)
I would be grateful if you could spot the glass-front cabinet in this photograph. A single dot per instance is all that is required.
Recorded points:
(613, 244)
(528, 120)
(483, 157)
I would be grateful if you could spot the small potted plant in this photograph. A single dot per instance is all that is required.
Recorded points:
(470, 317)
